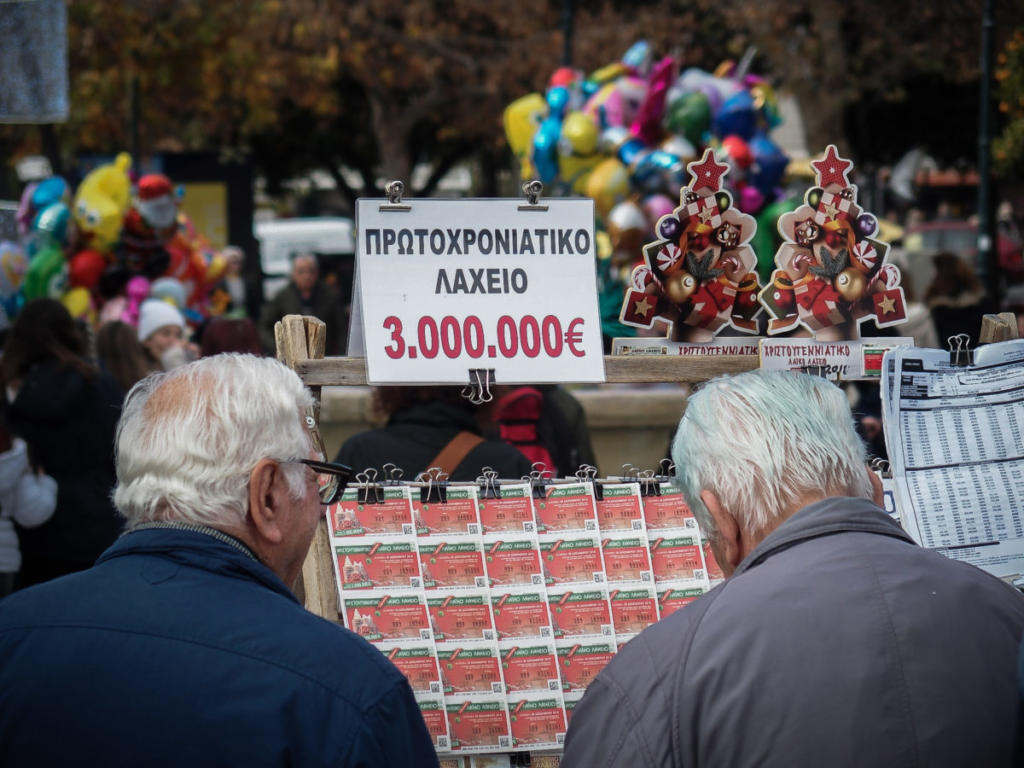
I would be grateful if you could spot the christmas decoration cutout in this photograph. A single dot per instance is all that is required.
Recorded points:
(831, 270)
(700, 276)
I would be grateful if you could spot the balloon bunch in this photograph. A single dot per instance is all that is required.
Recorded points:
(624, 134)
(109, 247)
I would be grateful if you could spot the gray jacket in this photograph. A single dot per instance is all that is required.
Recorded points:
(838, 642)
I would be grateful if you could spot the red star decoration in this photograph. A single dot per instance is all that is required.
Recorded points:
(707, 172)
(832, 169)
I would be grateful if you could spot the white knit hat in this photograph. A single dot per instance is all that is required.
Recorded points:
(154, 314)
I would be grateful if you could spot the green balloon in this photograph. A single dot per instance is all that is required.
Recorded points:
(767, 238)
(689, 116)
(46, 275)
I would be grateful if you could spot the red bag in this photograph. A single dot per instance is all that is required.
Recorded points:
(518, 416)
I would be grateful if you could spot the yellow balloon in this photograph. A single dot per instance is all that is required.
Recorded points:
(522, 117)
(579, 135)
(608, 185)
(78, 302)
(215, 269)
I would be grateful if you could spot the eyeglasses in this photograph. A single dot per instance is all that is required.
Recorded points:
(331, 478)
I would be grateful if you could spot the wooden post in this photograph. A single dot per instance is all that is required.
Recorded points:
(300, 339)
(1001, 327)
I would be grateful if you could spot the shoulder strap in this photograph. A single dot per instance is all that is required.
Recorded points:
(455, 451)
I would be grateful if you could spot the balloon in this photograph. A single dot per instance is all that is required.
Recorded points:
(737, 116)
(631, 150)
(769, 163)
(46, 275)
(135, 292)
(608, 185)
(738, 150)
(101, 202)
(545, 149)
(521, 119)
(52, 222)
(657, 170)
(564, 76)
(690, 117)
(85, 268)
(78, 302)
(656, 206)
(646, 125)
(613, 138)
(751, 199)
(558, 100)
(49, 191)
(579, 135)
(627, 226)
(13, 264)
(677, 145)
(715, 89)
(170, 290)
(638, 56)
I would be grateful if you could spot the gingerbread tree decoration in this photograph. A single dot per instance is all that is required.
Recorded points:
(699, 276)
(831, 270)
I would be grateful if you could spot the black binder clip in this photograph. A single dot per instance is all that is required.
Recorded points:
(478, 391)
(490, 488)
(588, 474)
(540, 478)
(392, 474)
(960, 353)
(370, 491)
(436, 489)
(650, 484)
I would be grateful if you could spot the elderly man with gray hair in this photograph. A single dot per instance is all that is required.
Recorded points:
(835, 640)
(183, 644)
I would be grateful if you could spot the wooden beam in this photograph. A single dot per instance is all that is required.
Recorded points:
(345, 371)
(1001, 327)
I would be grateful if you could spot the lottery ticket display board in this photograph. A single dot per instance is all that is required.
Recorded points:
(501, 603)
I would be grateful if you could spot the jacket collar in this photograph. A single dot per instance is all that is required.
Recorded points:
(838, 514)
(196, 548)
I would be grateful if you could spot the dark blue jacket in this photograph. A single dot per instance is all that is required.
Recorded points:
(177, 649)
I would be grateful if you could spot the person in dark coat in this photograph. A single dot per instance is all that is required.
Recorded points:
(956, 299)
(421, 422)
(835, 640)
(184, 645)
(306, 294)
(66, 410)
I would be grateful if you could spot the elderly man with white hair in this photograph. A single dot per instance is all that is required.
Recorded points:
(183, 644)
(835, 640)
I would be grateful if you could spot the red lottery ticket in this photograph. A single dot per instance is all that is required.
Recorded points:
(620, 508)
(461, 616)
(371, 564)
(676, 557)
(537, 722)
(380, 616)
(672, 599)
(512, 561)
(458, 514)
(626, 557)
(469, 668)
(571, 560)
(633, 610)
(451, 562)
(436, 717)
(571, 699)
(393, 515)
(418, 662)
(567, 507)
(580, 612)
(478, 725)
(512, 512)
(668, 510)
(521, 613)
(529, 667)
(579, 663)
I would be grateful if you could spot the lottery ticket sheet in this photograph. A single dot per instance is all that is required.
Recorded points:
(955, 438)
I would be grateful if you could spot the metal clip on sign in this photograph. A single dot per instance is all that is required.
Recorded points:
(539, 479)
(370, 492)
(588, 474)
(433, 486)
(394, 190)
(532, 190)
(960, 353)
(478, 391)
(490, 488)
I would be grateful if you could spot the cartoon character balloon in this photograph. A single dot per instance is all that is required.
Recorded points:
(101, 202)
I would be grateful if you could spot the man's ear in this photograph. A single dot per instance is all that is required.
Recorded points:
(878, 494)
(728, 548)
(266, 501)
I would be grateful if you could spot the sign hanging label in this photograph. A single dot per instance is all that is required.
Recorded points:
(450, 286)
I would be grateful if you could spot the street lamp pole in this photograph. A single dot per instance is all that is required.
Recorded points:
(567, 17)
(986, 224)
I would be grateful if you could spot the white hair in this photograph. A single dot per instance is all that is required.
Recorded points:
(188, 439)
(762, 441)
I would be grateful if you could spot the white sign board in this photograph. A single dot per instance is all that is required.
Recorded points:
(450, 286)
(850, 360)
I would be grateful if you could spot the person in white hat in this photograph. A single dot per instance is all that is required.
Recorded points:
(162, 332)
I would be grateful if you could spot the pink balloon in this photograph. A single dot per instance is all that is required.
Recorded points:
(656, 206)
(751, 199)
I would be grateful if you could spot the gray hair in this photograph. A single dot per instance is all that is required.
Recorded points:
(188, 439)
(762, 441)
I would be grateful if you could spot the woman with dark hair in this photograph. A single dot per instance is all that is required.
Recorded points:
(427, 427)
(66, 410)
(956, 299)
(121, 354)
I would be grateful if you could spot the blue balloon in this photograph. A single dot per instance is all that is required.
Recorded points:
(48, 191)
(658, 170)
(545, 149)
(737, 116)
(638, 56)
(769, 164)
(589, 88)
(630, 149)
(558, 101)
